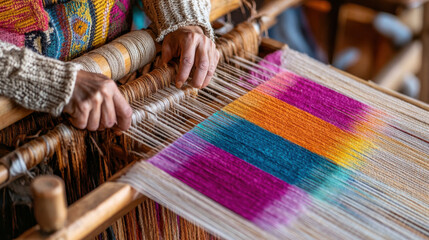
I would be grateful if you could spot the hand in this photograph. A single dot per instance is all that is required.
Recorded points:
(96, 103)
(196, 51)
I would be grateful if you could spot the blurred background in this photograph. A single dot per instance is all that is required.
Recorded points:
(384, 41)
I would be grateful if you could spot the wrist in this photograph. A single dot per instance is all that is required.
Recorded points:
(193, 28)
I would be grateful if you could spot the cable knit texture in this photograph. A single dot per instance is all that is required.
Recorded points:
(34, 81)
(170, 15)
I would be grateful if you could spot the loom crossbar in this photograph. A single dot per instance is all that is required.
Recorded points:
(112, 200)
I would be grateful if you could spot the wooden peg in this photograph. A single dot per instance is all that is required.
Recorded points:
(50, 207)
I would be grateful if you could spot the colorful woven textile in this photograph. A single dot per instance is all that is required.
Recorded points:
(297, 160)
(64, 29)
(283, 148)
(79, 26)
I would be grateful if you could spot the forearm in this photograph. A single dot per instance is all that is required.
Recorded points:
(169, 15)
(34, 81)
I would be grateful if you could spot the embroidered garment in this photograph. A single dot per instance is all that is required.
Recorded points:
(69, 28)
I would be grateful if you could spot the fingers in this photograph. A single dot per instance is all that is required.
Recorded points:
(94, 115)
(96, 103)
(167, 51)
(202, 63)
(80, 115)
(214, 59)
(123, 111)
(197, 52)
(187, 57)
(111, 111)
(108, 114)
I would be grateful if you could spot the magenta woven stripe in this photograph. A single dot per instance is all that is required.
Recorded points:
(237, 185)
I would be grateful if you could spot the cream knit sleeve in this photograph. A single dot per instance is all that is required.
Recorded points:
(34, 81)
(169, 15)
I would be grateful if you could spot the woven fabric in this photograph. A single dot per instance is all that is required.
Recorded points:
(294, 158)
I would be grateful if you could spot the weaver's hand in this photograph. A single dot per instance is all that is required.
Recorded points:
(96, 103)
(196, 52)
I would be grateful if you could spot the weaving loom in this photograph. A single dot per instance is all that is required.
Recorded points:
(284, 147)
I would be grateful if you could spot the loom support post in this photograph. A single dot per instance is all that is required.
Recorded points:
(49, 202)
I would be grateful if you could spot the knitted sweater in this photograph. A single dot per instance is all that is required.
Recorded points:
(61, 29)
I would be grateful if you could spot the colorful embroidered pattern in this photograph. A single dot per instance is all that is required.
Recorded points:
(119, 17)
(23, 16)
(47, 3)
(64, 29)
(11, 37)
(102, 10)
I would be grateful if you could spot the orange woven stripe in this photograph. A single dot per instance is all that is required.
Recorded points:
(300, 128)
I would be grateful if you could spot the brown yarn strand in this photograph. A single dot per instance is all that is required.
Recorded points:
(149, 83)
(243, 38)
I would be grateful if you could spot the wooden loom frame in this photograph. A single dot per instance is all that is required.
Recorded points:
(112, 200)
(97, 210)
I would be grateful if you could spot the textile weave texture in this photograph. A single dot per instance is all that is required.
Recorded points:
(298, 159)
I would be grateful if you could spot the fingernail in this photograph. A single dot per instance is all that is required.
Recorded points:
(179, 84)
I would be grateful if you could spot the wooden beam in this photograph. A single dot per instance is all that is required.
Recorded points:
(271, 9)
(93, 213)
(222, 7)
(270, 45)
(408, 60)
(11, 112)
